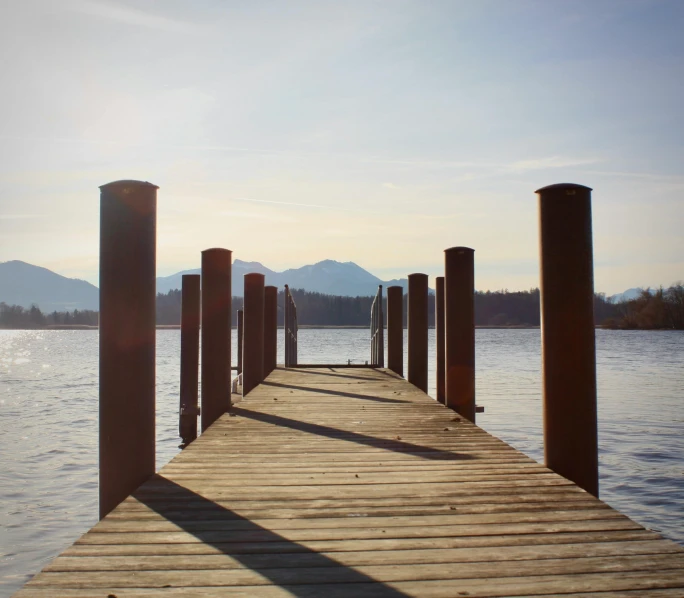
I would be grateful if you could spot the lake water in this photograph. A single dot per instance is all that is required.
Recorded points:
(48, 424)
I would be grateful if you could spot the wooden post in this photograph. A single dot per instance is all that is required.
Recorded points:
(372, 332)
(240, 324)
(381, 330)
(439, 338)
(189, 373)
(288, 348)
(128, 221)
(459, 320)
(395, 330)
(418, 330)
(253, 339)
(270, 329)
(216, 333)
(568, 343)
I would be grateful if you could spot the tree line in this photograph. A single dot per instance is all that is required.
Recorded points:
(658, 309)
(16, 316)
(652, 309)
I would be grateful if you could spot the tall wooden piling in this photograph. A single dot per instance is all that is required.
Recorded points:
(418, 330)
(189, 366)
(253, 333)
(286, 310)
(240, 325)
(395, 330)
(270, 329)
(439, 339)
(568, 341)
(459, 320)
(216, 332)
(128, 220)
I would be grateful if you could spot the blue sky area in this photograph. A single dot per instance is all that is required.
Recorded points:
(379, 132)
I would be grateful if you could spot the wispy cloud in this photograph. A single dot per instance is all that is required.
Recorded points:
(126, 14)
(302, 205)
(390, 186)
(664, 178)
(257, 216)
(20, 216)
(549, 163)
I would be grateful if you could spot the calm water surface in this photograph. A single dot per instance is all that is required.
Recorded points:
(48, 424)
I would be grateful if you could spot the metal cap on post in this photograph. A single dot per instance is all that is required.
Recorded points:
(459, 321)
(253, 333)
(189, 373)
(418, 330)
(395, 329)
(439, 339)
(216, 333)
(568, 338)
(128, 222)
(270, 329)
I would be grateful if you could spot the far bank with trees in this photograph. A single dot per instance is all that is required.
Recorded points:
(651, 310)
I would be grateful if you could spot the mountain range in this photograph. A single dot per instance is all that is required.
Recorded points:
(25, 284)
(328, 277)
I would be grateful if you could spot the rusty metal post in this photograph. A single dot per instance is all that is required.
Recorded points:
(372, 332)
(418, 330)
(216, 333)
(395, 330)
(568, 342)
(189, 372)
(439, 339)
(240, 324)
(128, 223)
(253, 339)
(270, 329)
(381, 330)
(459, 320)
(288, 348)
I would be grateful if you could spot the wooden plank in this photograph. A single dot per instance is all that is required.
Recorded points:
(367, 545)
(355, 533)
(343, 481)
(340, 574)
(598, 584)
(354, 558)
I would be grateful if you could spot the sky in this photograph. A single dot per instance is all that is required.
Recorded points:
(378, 131)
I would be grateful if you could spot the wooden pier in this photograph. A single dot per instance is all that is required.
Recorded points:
(352, 482)
(336, 481)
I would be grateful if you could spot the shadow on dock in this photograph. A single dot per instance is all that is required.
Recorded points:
(334, 374)
(397, 446)
(337, 393)
(306, 567)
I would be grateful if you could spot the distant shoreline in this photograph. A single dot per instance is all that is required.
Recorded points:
(301, 327)
(336, 327)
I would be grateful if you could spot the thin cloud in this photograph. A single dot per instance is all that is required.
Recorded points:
(390, 186)
(257, 216)
(20, 216)
(666, 178)
(302, 205)
(125, 14)
(548, 163)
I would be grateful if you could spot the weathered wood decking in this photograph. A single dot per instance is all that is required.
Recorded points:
(351, 482)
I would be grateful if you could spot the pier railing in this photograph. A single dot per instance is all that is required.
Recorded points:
(377, 334)
(290, 329)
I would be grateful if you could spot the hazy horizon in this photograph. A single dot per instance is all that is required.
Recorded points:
(379, 133)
